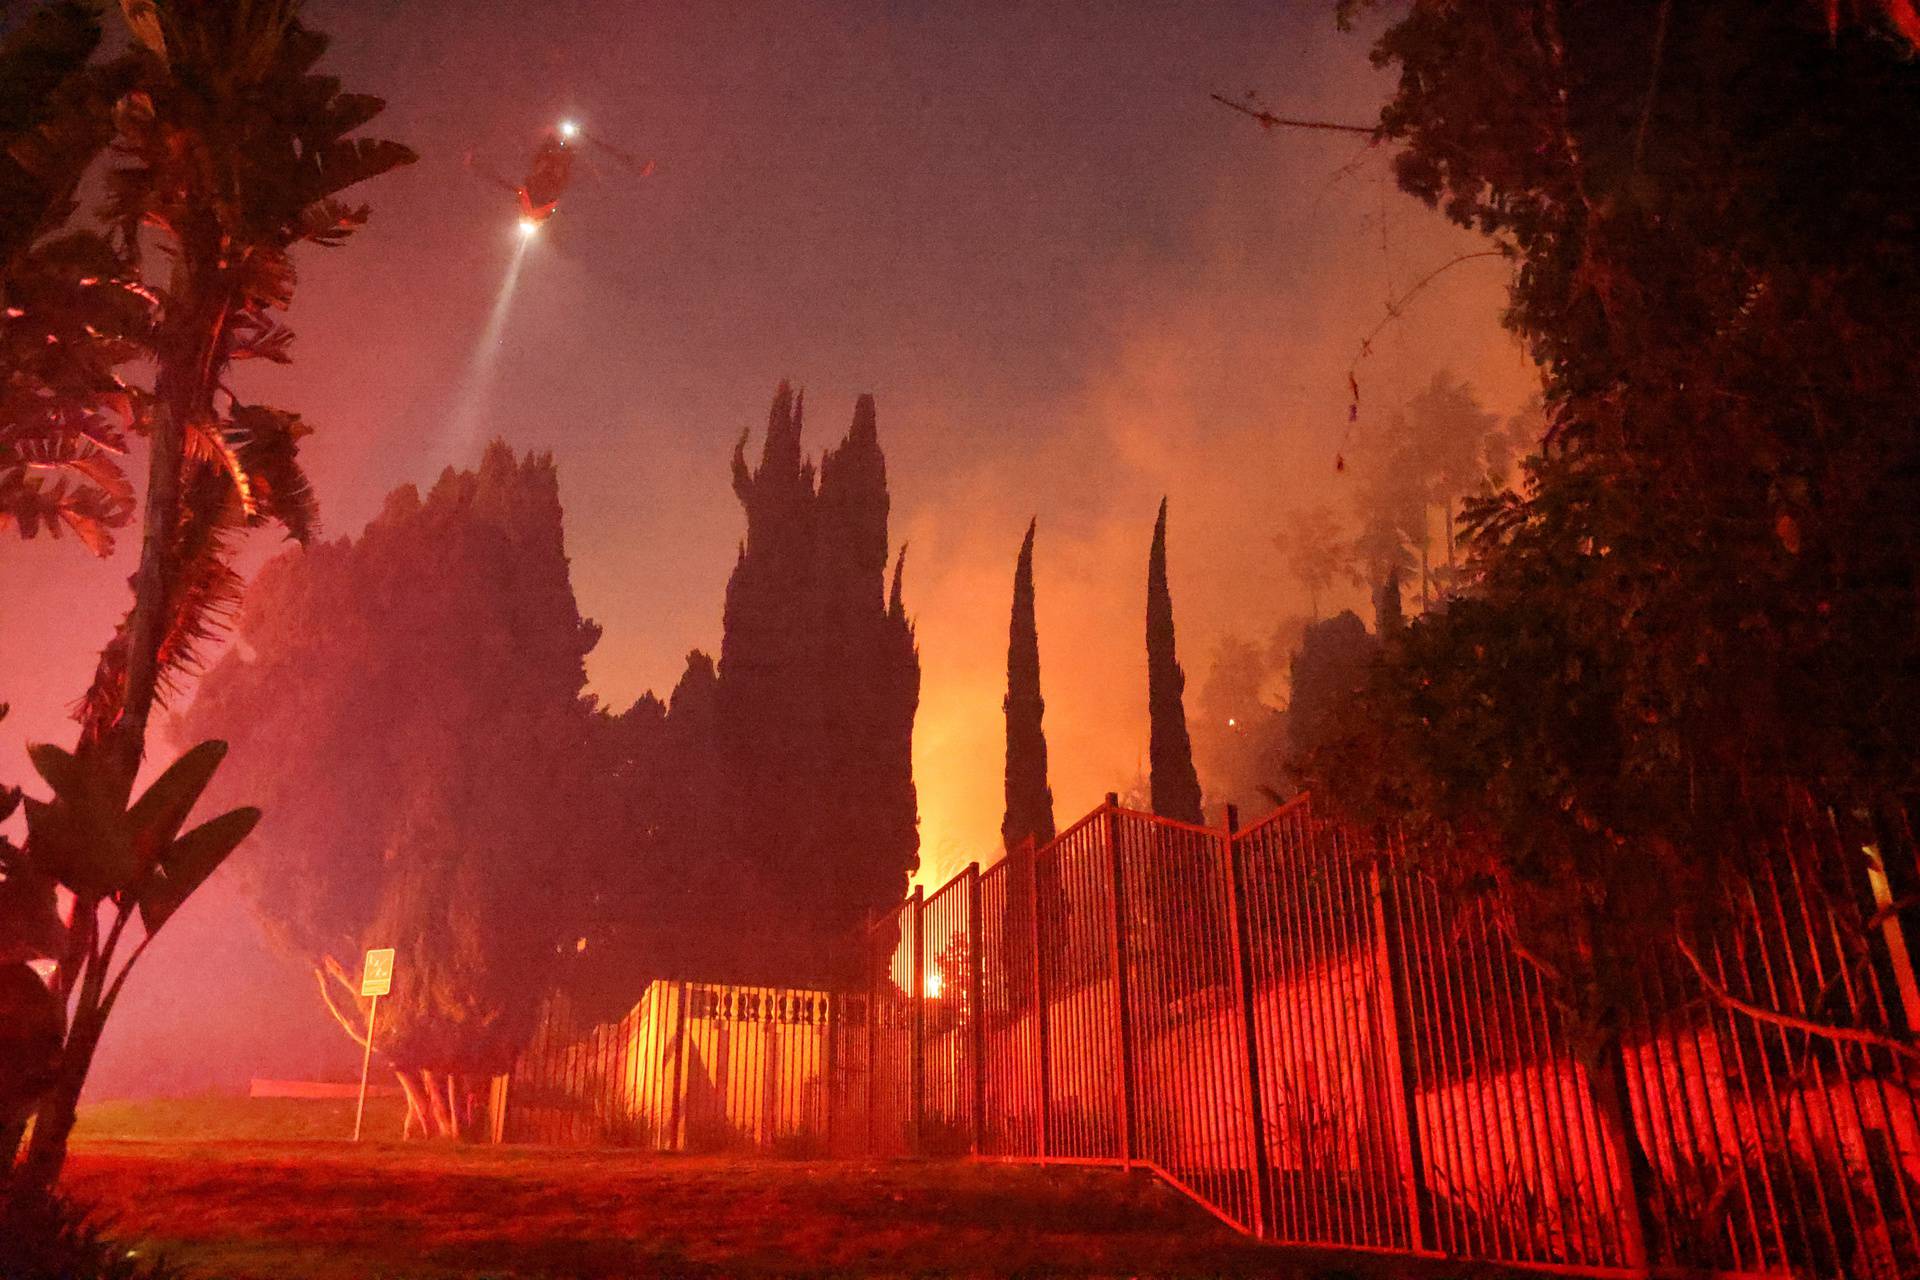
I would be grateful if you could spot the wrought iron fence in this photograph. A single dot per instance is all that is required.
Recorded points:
(1308, 1036)
(1322, 1047)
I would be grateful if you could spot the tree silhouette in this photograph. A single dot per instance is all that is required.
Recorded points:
(1029, 811)
(71, 308)
(818, 682)
(232, 152)
(1176, 787)
(427, 677)
(1446, 447)
(229, 150)
(1316, 551)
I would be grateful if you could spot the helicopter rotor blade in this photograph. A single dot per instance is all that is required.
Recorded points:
(486, 174)
(641, 167)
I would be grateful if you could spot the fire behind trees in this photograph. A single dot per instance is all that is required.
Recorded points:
(409, 710)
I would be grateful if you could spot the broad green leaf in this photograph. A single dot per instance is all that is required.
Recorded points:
(156, 818)
(60, 768)
(86, 847)
(193, 857)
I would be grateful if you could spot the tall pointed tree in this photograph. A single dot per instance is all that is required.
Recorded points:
(1176, 787)
(818, 682)
(1029, 801)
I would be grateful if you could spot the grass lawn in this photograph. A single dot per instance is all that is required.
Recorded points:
(259, 1207)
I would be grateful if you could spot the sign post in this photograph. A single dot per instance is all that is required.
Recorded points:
(376, 980)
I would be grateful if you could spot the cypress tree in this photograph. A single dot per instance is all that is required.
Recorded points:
(817, 685)
(1175, 786)
(1029, 802)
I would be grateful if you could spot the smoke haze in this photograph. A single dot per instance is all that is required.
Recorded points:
(1072, 282)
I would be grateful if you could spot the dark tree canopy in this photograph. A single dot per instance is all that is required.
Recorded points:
(1176, 787)
(1705, 596)
(817, 685)
(1330, 672)
(1029, 812)
(407, 709)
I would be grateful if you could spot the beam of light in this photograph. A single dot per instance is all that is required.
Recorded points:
(469, 411)
(569, 130)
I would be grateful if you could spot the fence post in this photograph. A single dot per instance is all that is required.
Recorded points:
(1041, 1051)
(1392, 1018)
(976, 1008)
(870, 960)
(1123, 1000)
(834, 1010)
(917, 1024)
(677, 1113)
(1243, 980)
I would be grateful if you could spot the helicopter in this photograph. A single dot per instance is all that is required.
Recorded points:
(551, 172)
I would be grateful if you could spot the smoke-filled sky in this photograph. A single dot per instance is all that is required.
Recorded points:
(1072, 282)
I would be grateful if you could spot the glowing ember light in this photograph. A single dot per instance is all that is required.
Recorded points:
(934, 984)
(528, 226)
(568, 129)
(1232, 723)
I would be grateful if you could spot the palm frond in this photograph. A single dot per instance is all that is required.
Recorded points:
(203, 600)
(72, 443)
(257, 338)
(265, 277)
(329, 222)
(267, 443)
(52, 475)
(347, 162)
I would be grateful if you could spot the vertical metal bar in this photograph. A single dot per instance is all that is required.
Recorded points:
(676, 1115)
(916, 1025)
(872, 966)
(1391, 1018)
(1123, 999)
(1242, 936)
(1041, 1048)
(1511, 983)
(1351, 960)
(833, 1010)
(976, 1007)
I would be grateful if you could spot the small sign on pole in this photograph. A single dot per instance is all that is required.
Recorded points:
(376, 980)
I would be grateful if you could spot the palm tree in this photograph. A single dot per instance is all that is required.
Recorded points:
(69, 314)
(1316, 550)
(230, 151)
(235, 152)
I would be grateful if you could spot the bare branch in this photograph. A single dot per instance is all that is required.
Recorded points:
(1653, 85)
(347, 1024)
(1774, 1017)
(1268, 120)
(1395, 306)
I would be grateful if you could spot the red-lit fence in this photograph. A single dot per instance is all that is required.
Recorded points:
(1315, 1042)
